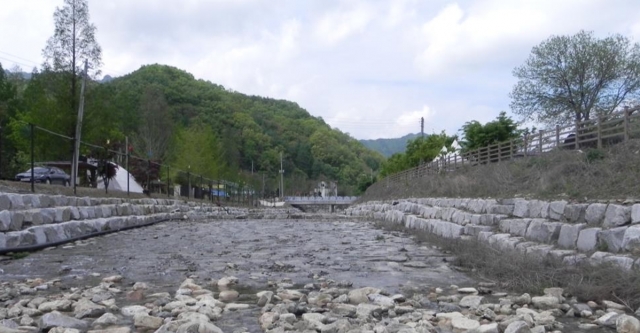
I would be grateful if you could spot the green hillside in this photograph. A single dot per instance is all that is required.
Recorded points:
(388, 147)
(208, 128)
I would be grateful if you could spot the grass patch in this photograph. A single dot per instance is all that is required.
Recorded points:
(18, 255)
(611, 173)
(519, 273)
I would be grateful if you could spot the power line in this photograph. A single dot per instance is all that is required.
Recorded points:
(15, 56)
(15, 62)
(37, 64)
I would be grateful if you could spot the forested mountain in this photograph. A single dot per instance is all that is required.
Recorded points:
(172, 118)
(388, 147)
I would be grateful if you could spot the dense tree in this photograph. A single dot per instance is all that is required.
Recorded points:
(197, 150)
(245, 130)
(575, 78)
(156, 125)
(419, 150)
(476, 135)
(9, 106)
(72, 43)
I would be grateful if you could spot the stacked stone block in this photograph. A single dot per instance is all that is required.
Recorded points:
(36, 219)
(572, 232)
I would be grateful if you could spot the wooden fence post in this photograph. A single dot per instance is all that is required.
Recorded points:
(511, 144)
(626, 123)
(540, 142)
(599, 132)
(499, 152)
(557, 136)
(576, 143)
(526, 143)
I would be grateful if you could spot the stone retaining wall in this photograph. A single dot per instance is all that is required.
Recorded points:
(36, 219)
(598, 232)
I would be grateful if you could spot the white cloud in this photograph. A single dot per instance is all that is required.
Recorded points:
(343, 22)
(494, 33)
(369, 67)
(411, 118)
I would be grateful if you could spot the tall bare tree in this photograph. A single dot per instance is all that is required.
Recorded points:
(72, 43)
(574, 78)
(156, 126)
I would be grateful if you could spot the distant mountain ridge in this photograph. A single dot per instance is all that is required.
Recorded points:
(388, 147)
(27, 76)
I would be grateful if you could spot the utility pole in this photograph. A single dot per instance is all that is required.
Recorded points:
(126, 140)
(422, 127)
(76, 148)
(281, 178)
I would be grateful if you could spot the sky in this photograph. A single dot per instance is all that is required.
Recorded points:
(371, 68)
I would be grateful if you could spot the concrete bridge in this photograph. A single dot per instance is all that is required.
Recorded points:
(318, 202)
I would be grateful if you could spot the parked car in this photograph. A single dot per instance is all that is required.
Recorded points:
(46, 175)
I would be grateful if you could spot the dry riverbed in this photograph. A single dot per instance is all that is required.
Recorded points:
(266, 275)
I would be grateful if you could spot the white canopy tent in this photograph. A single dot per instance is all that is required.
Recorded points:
(119, 182)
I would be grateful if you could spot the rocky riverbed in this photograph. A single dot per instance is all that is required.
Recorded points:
(272, 275)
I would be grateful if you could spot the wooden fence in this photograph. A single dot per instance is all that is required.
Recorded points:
(593, 133)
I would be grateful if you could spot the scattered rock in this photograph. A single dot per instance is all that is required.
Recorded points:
(613, 305)
(464, 324)
(57, 319)
(113, 279)
(106, 319)
(228, 295)
(608, 319)
(468, 291)
(113, 330)
(471, 301)
(518, 327)
(130, 311)
(545, 302)
(627, 324)
(358, 296)
(227, 281)
(146, 322)
(84, 308)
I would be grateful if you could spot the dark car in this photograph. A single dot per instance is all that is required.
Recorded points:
(46, 175)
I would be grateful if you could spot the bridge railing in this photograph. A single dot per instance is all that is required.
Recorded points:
(320, 199)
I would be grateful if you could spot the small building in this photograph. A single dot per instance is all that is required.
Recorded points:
(325, 189)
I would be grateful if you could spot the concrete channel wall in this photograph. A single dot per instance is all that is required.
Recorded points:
(37, 219)
(597, 232)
